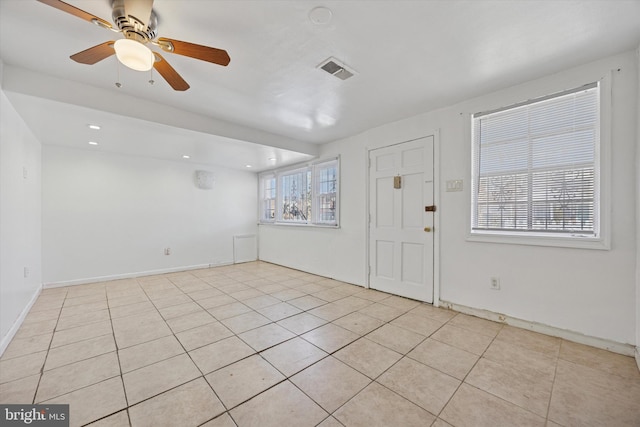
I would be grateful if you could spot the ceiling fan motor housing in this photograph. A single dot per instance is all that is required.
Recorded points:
(132, 27)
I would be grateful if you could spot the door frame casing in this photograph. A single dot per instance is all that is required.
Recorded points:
(436, 215)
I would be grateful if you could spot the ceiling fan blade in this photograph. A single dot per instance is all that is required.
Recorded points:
(169, 73)
(65, 7)
(139, 9)
(95, 54)
(204, 53)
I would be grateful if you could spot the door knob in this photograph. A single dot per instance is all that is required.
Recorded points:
(427, 229)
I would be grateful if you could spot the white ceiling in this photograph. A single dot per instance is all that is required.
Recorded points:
(271, 101)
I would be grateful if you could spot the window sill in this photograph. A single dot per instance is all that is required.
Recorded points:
(294, 224)
(586, 242)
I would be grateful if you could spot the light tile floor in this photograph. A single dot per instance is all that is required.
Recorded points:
(261, 345)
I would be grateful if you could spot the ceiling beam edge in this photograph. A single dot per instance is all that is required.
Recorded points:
(32, 83)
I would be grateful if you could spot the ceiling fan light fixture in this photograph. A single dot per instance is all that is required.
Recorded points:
(134, 54)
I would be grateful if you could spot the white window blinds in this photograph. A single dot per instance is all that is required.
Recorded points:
(534, 165)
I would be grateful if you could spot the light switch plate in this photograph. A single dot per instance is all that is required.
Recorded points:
(454, 185)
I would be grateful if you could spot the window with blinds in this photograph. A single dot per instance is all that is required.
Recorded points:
(535, 166)
(305, 195)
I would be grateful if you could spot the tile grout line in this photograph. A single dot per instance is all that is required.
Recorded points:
(464, 379)
(203, 375)
(35, 394)
(553, 381)
(124, 390)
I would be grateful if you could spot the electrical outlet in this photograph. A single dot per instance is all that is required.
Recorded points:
(495, 283)
(167, 251)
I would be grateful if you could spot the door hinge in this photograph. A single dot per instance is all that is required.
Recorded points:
(431, 208)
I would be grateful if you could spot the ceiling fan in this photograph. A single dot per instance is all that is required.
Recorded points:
(137, 21)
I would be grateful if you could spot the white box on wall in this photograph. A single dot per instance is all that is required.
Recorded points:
(245, 248)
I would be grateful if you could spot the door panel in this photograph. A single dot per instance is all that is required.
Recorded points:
(412, 263)
(400, 251)
(384, 259)
(412, 207)
(384, 202)
(385, 162)
(412, 158)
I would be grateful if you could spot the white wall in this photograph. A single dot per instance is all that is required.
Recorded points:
(106, 215)
(20, 226)
(590, 292)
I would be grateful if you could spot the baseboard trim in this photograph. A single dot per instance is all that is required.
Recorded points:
(6, 340)
(108, 278)
(616, 347)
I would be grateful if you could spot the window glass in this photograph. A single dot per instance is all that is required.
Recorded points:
(304, 195)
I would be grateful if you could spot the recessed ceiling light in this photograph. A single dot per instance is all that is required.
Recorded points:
(94, 127)
(93, 143)
(186, 157)
(272, 159)
(248, 166)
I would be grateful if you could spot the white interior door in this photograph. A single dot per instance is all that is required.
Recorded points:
(401, 240)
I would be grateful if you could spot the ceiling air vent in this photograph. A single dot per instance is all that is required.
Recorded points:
(336, 68)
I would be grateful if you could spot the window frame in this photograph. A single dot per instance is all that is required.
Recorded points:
(601, 238)
(262, 199)
(313, 219)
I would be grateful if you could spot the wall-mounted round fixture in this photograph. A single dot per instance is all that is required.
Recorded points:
(134, 54)
(320, 15)
(205, 180)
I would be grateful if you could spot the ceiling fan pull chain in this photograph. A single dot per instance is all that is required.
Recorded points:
(151, 81)
(118, 84)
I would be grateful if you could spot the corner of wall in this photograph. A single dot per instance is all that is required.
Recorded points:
(637, 353)
(20, 220)
(6, 339)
